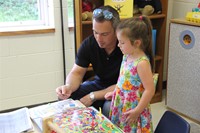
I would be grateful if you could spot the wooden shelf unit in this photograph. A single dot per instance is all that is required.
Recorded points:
(84, 29)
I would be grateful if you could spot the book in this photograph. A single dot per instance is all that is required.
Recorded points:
(154, 41)
(16, 121)
(121, 6)
(38, 113)
(82, 120)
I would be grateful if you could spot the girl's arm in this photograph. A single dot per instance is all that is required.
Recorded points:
(146, 76)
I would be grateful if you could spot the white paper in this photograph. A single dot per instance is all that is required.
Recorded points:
(16, 121)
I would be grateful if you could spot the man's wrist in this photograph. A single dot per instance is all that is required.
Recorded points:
(92, 96)
(68, 85)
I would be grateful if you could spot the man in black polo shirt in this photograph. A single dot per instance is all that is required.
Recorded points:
(100, 50)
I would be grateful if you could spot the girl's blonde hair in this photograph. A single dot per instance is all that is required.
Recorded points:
(139, 28)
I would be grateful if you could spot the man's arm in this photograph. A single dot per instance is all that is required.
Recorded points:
(99, 95)
(73, 81)
(75, 77)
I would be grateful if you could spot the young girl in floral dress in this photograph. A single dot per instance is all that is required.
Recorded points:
(130, 106)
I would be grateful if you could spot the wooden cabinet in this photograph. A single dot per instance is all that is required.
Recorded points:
(84, 28)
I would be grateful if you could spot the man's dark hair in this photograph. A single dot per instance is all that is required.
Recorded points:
(114, 20)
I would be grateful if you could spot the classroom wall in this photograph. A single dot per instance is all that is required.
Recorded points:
(31, 66)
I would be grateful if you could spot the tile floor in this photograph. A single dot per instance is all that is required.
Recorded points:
(158, 110)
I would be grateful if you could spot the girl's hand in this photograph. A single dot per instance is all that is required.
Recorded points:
(131, 116)
(108, 95)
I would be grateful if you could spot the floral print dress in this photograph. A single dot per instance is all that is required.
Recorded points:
(127, 95)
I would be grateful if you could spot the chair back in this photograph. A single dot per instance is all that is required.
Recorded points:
(171, 122)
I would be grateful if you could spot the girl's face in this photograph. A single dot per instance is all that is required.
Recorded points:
(125, 44)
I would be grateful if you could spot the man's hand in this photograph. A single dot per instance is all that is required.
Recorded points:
(64, 92)
(86, 100)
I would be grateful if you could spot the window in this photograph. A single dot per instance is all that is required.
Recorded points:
(70, 13)
(26, 13)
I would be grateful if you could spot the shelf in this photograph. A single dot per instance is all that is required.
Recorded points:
(158, 58)
(183, 21)
(86, 22)
(153, 16)
(157, 97)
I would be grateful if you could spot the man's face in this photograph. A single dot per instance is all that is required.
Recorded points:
(104, 34)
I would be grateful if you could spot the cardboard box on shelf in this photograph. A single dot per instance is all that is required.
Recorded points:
(124, 7)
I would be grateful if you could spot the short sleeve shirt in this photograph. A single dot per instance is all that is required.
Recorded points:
(105, 66)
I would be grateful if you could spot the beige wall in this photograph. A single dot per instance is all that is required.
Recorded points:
(31, 66)
(176, 9)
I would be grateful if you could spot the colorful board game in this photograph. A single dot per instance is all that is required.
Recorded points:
(38, 113)
(84, 120)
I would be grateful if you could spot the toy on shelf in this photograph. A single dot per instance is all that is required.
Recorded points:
(196, 9)
(87, 16)
(87, 8)
(123, 7)
(194, 16)
(147, 7)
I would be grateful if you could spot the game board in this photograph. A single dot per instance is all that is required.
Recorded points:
(41, 112)
(84, 120)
